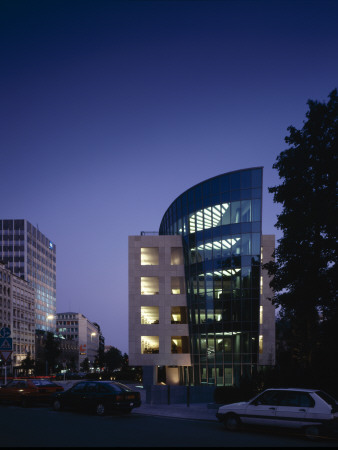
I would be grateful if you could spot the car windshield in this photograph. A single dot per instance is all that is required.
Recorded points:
(327, 398)
(120, 387)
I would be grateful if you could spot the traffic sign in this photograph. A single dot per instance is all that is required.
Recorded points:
(5, 332)
(5, 355)
(6, 344)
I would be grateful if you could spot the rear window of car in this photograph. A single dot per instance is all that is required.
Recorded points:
(118, 387)
(327, 398)
(296, 399)
(43, 383)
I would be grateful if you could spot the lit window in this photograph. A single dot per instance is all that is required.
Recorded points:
(149, 256)
(176, 256)
(177, 285)
(179, 344)
(149, 315)
(261, 344)
(178, 314)
(150, 285)
(149, 344)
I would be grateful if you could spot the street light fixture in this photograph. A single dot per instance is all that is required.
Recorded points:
(48, 317)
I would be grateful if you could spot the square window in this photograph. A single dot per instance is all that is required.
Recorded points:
(149, 256)
(149, 344)
(150, 285)
(149, 315)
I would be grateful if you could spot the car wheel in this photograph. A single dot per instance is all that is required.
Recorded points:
(100, 409)
(232, 422)
(57, 406)
(24, 402)
(312, 431)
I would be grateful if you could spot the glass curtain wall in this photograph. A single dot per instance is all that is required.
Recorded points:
(220, 223)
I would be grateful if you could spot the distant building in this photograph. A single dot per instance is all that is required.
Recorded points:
(198, 298)
(17, 313)
(79, 338)
(30, 255)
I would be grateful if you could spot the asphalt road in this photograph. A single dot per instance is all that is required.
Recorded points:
(43, 427)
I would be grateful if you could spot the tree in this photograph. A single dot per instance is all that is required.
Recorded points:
(304, 273)
(27, 364)
(113, 359)
(85, 365)
(52, 351)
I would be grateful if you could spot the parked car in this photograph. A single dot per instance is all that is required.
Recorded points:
(27, 391)
(311, 410)
(70, 376)
(99, 397)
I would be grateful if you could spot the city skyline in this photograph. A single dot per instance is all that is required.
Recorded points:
(107, 108)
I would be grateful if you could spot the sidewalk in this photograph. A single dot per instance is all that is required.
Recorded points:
(199, 411)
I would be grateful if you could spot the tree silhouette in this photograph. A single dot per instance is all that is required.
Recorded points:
(304, 274)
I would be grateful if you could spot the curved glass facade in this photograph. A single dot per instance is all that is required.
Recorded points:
(220, 223)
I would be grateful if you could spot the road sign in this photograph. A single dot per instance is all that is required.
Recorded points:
(6, 344)
(5, 332)
(5, 355)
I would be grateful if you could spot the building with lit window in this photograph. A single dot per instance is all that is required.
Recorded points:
(203, 316)
(79, 339)
(30, 255)
(17, 299)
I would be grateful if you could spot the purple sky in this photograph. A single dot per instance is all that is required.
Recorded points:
(111, 109)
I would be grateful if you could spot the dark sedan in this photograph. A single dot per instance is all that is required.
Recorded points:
(99, 397)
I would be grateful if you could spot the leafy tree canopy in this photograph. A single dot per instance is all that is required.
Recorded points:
(304, 273)
(113, 358)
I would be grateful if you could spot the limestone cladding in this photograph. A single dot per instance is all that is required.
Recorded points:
(164, 272)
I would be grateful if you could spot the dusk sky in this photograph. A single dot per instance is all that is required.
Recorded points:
(111, 109)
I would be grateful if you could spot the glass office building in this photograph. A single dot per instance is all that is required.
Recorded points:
(220, 223)
(30, 255)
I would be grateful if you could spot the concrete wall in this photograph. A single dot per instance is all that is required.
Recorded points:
(179, 394)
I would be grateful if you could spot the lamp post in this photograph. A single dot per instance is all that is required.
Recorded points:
(91, 340)
(48, 317)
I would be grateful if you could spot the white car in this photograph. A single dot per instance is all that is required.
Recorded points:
(311, 410)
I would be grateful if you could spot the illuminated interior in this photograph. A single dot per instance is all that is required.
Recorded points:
(177, 285)
(176, 256)
(149, 256)
(150, 285)
(208, 217)
(179, 314)
(179, 344)
(149, 344)
(149, 315)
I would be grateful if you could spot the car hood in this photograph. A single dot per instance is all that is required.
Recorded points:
(232, 407)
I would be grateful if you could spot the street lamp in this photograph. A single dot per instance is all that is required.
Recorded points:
(48, 317)
(91, 336)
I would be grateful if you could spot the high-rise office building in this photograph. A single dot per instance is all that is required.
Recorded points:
(30, 255)
(208, 318)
